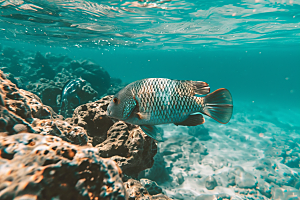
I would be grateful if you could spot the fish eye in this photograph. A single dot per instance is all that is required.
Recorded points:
(116, 100)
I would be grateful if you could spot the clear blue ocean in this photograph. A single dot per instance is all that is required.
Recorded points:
(250, 47)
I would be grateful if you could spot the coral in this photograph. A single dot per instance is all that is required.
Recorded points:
(45, 167)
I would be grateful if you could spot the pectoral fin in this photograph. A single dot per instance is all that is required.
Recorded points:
(144, 116)
(192, 120)
(153, 132)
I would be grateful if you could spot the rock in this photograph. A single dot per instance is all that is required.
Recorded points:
(132, 149)
(225, 179)
(135, 190)
(285, 193)
(50, 92)
(276, 173)
(127, 144)
(45, 167)
(180, 178)
(92, 73)
(210, 183)
(64, 130)
(244, 179)
(264, 188)
(46, 75)
(151, 186)
(39, 153)
(286, 151)
(92, 117)
(2, 103)
(9, 119)
(20, 128)
(21, 107)
(38, 109)
(22, 103)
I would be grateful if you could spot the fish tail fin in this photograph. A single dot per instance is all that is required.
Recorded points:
(218, 105)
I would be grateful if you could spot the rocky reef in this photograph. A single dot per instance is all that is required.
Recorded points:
(46, 75)
(87, 156)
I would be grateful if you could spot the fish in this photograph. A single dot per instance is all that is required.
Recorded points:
(154, 101)
(70, 91)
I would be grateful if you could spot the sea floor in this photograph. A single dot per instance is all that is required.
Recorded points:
(255, 156)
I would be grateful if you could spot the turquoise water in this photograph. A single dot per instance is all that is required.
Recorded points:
(250, 47)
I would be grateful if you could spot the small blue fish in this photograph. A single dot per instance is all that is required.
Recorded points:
(70, 92)
(154, 101)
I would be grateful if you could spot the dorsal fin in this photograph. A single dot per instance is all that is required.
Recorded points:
(200, 87)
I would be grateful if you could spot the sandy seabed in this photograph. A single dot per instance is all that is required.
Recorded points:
(254, 156)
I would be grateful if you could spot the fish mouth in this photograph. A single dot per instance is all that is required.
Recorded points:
(108, 113)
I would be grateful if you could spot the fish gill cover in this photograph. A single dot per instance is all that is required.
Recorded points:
(250, 47)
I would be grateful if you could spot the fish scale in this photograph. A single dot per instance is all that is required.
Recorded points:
(159, 100)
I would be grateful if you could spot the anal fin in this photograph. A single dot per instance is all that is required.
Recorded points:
(153, 132)
(192, 120)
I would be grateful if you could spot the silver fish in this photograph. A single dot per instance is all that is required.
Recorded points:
(155, 101)
(70, 91)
